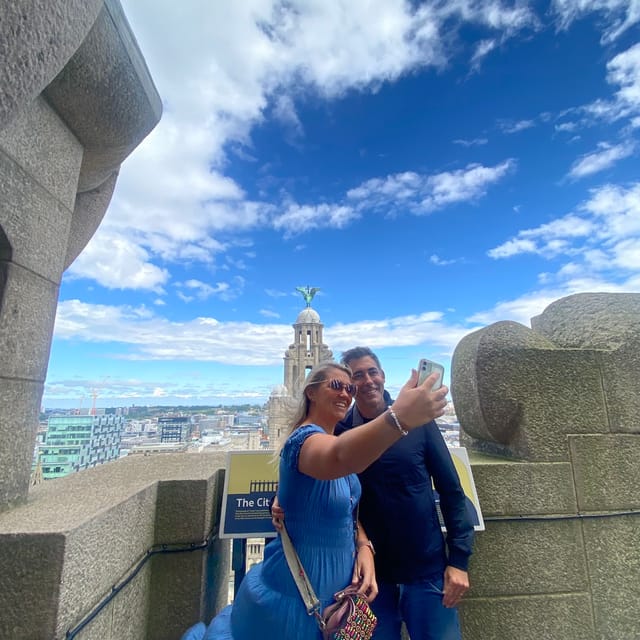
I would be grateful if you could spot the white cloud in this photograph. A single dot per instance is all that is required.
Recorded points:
(600, 242)
(139, 335)
(440, 262)
(115, 262)
(421, 193)
(471, 143)
(220, 68)
(619, 15)
(516, 127)
(299, 219)
(202, 290)
(604, 158)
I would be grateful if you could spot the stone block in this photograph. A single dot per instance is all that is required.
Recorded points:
(535, 617)
(27, 316)
(105, 519)
(518, 396)
(178, 583)
(613, 561)
(35, 223)
(507, 488)
(47, 151)
(30, 580)
(19, 411)
(621, 384)
(88, 212)
(107, 82)
(603, 321)
(50, 31)
(184, 510)
(606, 471)
(125, 616)
(514, 558)
(101, 551)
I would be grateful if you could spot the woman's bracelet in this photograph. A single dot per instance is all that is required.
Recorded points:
(392, 419)
(367, 544)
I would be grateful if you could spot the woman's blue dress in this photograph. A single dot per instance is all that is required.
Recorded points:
(319, 517)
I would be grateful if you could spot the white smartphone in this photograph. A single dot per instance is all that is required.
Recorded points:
(426, 368)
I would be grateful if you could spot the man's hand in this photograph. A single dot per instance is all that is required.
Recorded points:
(456, 583)
(364, 574)
(277, 515)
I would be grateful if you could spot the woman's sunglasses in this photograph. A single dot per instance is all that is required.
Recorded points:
(339, 386)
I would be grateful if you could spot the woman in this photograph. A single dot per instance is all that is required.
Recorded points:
(318, 490)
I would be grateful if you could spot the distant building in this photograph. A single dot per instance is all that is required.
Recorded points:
(174, 428)
(77, 442)
(306, 351)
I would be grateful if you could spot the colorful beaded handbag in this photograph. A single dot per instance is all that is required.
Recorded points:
(348, 618)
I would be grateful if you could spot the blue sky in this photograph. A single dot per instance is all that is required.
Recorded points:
(432, 167)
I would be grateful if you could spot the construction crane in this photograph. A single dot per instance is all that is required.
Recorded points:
(94, 396)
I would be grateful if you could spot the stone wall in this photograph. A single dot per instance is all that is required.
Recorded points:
(550, 416)
(75, 99)
(77, 537)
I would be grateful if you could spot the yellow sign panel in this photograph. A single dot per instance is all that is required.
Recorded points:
(251, 482)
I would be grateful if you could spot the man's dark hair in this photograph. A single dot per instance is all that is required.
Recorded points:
(359, 352)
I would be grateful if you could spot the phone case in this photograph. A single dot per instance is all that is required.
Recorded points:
(426, 368)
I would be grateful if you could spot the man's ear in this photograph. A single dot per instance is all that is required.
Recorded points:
(382, 375)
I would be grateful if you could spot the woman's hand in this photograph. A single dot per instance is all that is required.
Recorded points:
(417, 405)
(277, 515)
(364, 573)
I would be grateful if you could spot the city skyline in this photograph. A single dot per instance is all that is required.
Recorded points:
(431, 167)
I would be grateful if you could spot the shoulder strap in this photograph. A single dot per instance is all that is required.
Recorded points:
(299, 575)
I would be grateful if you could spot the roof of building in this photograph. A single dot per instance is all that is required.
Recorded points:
(308, 315)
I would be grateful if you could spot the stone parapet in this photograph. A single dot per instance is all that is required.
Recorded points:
(75, 99)
(520, 392)
(558, 558)
(76, 537)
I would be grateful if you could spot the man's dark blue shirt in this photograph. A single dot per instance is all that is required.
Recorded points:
(398, 509)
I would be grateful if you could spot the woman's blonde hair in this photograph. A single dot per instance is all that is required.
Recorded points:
(318, 374)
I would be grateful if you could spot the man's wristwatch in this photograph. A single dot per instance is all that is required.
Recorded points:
(367, 543)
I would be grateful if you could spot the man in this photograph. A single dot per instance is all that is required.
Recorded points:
(421, 576)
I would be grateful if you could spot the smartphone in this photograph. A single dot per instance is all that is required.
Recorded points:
(426, 368)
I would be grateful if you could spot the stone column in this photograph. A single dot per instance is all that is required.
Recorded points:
(75, 99)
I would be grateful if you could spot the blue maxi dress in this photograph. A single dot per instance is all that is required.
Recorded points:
(320, 521)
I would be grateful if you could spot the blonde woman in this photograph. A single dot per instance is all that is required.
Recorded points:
(319, 490)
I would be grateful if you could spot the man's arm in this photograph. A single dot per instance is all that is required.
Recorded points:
(460, 533)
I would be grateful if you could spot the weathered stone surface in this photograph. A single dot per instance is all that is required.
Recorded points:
(30, 303)
(603, 321)
(37, 38)
(621, 384)
(106, 81)
(105, 520)
(607, 471)
(508, 488)
(88, 212)
(75, 99)
(529, 558)
(46, 151)
(30, 566)
(543, 617)
(35, 223)
(100, 552)
(612, 549)
(520, 400)
(519, 392)
(19, 411)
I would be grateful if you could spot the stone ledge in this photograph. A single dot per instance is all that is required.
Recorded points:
(103, 521)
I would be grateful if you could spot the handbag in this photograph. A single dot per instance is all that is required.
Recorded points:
(348, 618)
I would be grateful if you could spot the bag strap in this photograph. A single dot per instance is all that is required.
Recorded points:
(299, 575)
